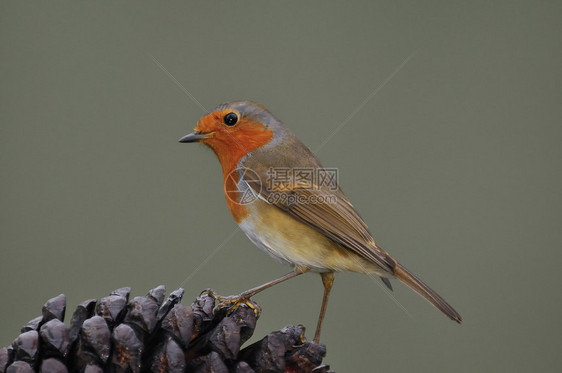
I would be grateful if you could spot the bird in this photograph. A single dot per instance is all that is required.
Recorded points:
(292, 207)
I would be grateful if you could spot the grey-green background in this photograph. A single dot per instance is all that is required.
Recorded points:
(450, 149)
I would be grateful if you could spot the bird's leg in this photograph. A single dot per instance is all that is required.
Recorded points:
(296, 272)
(328, 281)
(233, 302)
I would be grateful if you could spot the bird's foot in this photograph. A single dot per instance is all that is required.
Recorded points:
(302, 338)
(230, 303)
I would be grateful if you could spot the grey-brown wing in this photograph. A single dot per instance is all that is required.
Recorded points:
(328, 211)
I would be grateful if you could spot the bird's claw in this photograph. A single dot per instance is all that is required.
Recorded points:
(302, 338)
(231, 303)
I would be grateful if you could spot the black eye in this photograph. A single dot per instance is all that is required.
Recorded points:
(230, 119)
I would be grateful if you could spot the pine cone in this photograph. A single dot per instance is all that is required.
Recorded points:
(150, 334)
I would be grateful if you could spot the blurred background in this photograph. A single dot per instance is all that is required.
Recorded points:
(443, 119)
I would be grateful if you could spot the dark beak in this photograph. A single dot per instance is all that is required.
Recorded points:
(193, 137)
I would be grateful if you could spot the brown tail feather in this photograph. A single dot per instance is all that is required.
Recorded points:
(422, 289)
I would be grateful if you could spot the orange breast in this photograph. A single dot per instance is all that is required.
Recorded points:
(234, 197)
(231, 145)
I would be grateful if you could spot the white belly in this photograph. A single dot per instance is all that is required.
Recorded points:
(295, 243)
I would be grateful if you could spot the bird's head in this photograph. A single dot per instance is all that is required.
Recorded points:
(234, 129)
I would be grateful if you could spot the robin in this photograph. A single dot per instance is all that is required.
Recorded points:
(289, 206)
